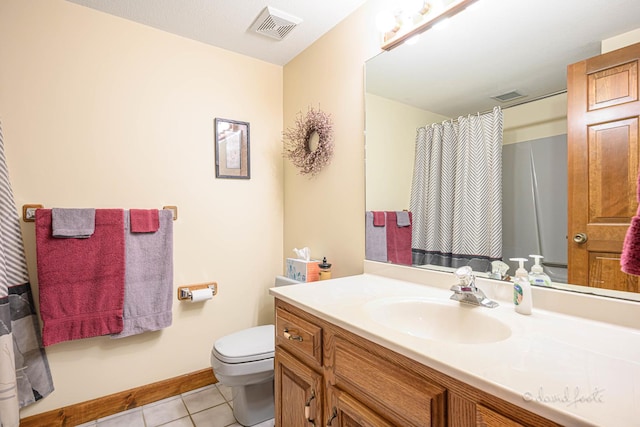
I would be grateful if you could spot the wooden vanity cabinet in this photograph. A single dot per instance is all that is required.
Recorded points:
(377, 379)
(299, 383)
(345, 411)
(466, 412)
(325, 375)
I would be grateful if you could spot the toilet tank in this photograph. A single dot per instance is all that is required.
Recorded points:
(285, 281)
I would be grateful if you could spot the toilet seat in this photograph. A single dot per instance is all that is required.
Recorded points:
(247, 345)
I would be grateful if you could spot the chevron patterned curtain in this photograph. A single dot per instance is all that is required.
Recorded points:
(456, 193)
(24, 371)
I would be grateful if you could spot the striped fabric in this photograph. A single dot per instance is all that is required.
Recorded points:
(24, 370)
(12, 257)
(456, 193)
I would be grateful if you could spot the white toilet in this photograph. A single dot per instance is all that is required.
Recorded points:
(243, 361)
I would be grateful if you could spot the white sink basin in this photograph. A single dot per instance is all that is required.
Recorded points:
(438, 320)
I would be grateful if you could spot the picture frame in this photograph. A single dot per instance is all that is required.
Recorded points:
(232, 149)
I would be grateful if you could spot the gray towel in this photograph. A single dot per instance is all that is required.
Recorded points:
(375, 240)
(148, 283)
(73, 223)
(402, 219)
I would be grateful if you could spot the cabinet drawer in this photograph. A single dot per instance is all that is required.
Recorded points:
(387, 388)
(299, 336)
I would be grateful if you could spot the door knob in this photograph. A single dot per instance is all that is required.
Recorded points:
(580, 238)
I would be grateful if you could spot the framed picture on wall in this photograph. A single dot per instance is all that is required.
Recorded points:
(232, 149)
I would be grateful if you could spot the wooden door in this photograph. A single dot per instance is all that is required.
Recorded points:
(298, 392)
(603, 113)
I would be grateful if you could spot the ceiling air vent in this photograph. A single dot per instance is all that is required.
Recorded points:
(509, 96)
(274, 23)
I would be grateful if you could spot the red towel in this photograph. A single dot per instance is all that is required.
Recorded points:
(144, 220)
(398, 240)
(378, 219)
(630, 257)
(81, 281)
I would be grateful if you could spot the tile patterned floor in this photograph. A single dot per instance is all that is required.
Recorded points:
(205, 407)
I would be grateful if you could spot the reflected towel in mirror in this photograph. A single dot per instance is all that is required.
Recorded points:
(375, 239)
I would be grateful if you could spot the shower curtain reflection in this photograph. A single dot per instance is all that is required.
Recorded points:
(456, 192)
(24, 370)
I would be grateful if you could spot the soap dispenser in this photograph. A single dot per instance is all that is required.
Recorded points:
(537, 275)
(522, 288)
(499, 270)
(325, 269)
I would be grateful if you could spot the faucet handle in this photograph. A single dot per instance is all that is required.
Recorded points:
(465, 278)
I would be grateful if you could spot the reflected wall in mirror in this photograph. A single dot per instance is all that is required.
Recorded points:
(495, 47)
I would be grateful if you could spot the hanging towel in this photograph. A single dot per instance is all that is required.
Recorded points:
(73, 223)
(379, 219)
(398, 240)
(148, 294)
(81, 281)
(630, 257)
(403, 219)
(33, 375)
(375, 239)
(144, 220)
(24, 369)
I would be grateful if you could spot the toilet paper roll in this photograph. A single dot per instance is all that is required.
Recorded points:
(201, 295)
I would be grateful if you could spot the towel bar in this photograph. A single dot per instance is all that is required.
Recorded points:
(29, 212)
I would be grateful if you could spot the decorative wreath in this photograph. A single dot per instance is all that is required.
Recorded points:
(297, 138)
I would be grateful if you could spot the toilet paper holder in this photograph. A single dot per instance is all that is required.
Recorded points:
(184, 292)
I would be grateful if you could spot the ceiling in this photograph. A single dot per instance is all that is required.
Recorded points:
(497, 46)
(226, 23)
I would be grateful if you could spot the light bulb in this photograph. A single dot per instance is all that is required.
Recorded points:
(412, 6)
(385, 21)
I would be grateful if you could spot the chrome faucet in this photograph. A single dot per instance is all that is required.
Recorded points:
(466, 290)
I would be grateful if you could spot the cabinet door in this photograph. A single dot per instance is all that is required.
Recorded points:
(465, 412)
(348, 412)
(298, 392)
(486, 417)
(386, 386)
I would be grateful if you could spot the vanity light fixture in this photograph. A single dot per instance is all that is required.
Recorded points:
(402, 24)
(407, 14)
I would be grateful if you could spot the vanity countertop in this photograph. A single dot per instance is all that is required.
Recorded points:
(571, 370)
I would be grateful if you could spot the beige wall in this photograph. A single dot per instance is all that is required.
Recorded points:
(326, 213)
(620, 41)
(390, 149)
(99, 111)
(534, 120)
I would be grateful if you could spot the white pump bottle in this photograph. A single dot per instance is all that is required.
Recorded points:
(522, 289)
(537, 275)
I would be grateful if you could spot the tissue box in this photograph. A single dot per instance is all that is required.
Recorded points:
(302, 271)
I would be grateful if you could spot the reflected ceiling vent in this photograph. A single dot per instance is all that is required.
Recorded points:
(509, 96)
(274, 23)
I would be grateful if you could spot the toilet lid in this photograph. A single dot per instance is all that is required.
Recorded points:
(247, 345)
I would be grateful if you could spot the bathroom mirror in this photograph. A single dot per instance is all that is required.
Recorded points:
(496, 48)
